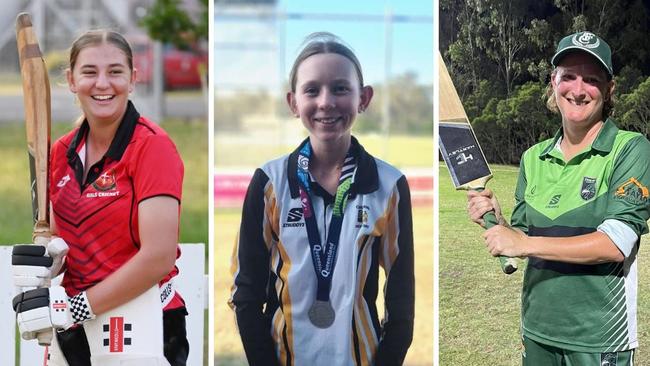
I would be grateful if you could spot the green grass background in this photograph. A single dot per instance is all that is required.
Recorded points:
(15, 211)
(404, 152)
(479, 305)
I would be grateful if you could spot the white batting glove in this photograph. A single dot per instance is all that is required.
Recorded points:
(35, 265)
(46, 308)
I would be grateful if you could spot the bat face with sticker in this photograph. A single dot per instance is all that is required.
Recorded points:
(461, 151)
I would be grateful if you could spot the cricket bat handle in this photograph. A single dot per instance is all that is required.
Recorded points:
(44, 337)
(508, 265)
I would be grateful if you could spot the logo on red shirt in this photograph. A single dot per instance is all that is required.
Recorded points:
(105, 181)
(63, 181)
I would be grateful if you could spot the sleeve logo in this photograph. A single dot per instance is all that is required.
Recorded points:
(632, 191)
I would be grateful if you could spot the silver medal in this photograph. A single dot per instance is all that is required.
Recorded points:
(321, 314)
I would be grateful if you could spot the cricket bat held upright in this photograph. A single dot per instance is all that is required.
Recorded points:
(461, 151)
(36, 97)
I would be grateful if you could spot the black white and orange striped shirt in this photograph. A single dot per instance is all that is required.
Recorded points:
(274, 280)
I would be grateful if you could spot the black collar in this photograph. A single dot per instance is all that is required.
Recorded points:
(366, 179)
(120, 141)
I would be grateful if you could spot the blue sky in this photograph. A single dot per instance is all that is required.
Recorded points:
(258, 62)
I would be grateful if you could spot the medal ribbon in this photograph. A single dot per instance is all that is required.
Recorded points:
(324, 256)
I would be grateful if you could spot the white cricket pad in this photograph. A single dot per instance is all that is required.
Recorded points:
(131, 334)
(55, 356)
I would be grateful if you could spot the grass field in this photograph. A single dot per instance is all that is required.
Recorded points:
(479, 305)
(15, 212)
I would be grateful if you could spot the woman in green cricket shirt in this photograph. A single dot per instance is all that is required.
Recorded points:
(581, 205)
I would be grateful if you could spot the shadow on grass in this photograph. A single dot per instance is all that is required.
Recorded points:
(229, 359)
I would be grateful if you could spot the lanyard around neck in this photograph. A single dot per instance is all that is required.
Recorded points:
(324, 256)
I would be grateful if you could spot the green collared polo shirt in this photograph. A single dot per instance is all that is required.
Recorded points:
(585, 308)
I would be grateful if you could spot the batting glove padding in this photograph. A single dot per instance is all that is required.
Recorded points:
(46, 308)
(35, 265)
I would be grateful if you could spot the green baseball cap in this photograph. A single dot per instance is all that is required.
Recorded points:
(586, 42)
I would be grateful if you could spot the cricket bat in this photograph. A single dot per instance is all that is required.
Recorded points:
(36, 98)
(461, 151)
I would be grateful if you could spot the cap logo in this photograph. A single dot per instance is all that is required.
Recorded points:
(586, 39)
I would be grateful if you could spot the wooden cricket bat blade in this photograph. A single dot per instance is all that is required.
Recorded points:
(460, 149)
(36, 98)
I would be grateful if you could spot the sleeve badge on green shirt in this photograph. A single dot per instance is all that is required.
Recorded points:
(588, 190)
(632, 191)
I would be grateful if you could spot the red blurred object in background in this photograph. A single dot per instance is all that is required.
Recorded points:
(181, 67)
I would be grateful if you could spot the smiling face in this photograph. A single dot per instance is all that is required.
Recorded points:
(102, 79)
(581, 88)
(328, 97)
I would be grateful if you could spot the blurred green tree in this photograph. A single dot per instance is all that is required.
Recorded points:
(168, 22)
